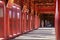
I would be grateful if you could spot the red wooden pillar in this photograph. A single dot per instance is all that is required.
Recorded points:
(32, 14)
(28, 21)
(21, 21)
(28, 17)
(9, 26)
(33, 20)
(37, 12)
(35, 16)
(38, 15)
(9, 20)
(2, 20)
(24, 22)
(36, 21)
(14, 20)
(57, 20)
(24, 14)
(31, 27)
(18, 20)
(25, 25)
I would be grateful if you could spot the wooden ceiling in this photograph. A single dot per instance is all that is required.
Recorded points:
(37, 2)
(45, 6)
(40, 5)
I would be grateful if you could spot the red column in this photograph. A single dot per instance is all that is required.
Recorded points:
(36, 21)
(24, 22)
(18, 20)
(31, 27)
(2, 20)
(57, 24)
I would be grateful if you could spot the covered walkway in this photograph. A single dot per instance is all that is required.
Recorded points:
(40, 34)
(23, 17)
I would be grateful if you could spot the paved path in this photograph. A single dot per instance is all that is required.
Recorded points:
(40, 34)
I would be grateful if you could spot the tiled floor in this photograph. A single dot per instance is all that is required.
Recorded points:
(40, 34)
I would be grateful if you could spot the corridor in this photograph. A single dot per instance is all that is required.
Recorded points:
(40, 34)
(29, 20)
